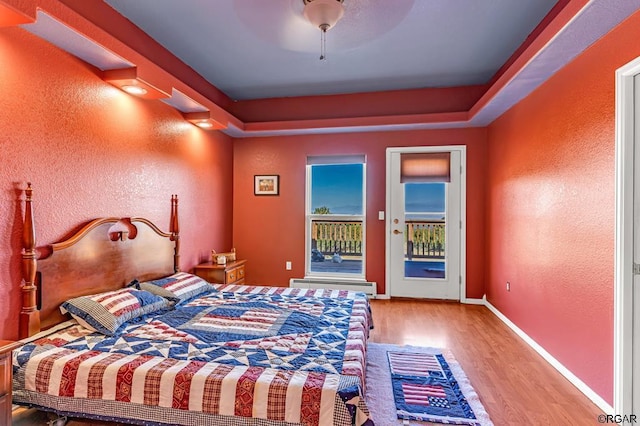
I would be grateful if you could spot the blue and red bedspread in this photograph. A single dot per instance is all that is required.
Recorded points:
(238, 355)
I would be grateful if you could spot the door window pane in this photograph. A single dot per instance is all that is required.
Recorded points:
(424, 234)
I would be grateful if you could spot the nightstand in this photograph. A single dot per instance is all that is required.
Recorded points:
(6, 370)
(231, 273)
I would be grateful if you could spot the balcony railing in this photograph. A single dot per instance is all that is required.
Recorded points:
(423, 239)
(332, 236)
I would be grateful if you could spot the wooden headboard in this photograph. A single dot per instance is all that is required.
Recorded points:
(105, 254)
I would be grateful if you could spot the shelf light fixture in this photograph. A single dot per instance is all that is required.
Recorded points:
(133, 89)
(203, 120)
(127, 79)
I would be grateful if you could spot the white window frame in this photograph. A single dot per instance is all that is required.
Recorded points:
(309, 218)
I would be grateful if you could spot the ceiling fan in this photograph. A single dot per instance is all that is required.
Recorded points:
(323, 14)
(294, 24)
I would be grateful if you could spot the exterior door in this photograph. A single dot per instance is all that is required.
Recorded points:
(424, 223)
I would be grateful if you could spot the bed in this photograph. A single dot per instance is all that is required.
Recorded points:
(112, 330)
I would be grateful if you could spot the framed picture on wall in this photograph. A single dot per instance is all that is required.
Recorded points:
(266, 185)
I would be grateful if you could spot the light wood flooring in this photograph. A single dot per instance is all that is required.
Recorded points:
(516, 386)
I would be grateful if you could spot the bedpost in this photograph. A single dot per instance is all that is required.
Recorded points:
(174, 229)
(29, 315)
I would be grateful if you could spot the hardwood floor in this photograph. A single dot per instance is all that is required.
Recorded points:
(515, 384)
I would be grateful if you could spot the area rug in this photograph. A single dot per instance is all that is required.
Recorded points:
(417, 386)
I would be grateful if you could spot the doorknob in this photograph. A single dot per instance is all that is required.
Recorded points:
(395, 231)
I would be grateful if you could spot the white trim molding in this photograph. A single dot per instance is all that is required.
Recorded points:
(582, 387)
(623, 278)
(470, 301)
(309, 217)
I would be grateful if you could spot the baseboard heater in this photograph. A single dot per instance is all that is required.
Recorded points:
(367, 287)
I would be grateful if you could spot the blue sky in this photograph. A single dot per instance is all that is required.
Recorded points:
(339, 187)
(424, 197)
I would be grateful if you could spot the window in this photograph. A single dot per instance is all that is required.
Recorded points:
(335, 230)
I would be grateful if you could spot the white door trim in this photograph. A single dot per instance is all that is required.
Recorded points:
(623, 287)
(463, 212)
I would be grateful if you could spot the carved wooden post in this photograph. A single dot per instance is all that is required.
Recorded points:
(174, 229)
(29, 315)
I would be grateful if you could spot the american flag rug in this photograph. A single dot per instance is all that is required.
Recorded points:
(428, 386)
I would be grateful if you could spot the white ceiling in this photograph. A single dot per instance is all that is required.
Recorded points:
(253, 49)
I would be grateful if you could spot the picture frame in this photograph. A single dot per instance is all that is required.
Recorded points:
(266, 185)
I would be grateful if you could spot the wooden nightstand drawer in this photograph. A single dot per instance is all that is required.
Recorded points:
(235, 275)
(231, 273)
(231, 276)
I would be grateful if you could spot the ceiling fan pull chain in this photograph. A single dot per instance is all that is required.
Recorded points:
(323, 43)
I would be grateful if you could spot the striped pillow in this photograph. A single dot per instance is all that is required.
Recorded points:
(106, 312)
(178, 287)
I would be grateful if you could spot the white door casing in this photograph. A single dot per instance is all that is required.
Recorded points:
(635, 391)
(626, 398)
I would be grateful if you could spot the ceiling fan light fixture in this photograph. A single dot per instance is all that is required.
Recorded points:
(323, 14)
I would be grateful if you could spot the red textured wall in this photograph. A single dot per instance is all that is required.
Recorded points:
(270, 230)
(551, 210)
(91, 151)
(540, 183)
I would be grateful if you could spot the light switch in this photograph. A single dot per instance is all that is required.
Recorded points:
(381, 215)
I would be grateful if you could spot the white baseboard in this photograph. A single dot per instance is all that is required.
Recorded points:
(467, 301)
(582, 387)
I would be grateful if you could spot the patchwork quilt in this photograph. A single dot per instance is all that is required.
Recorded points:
(236, 356)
